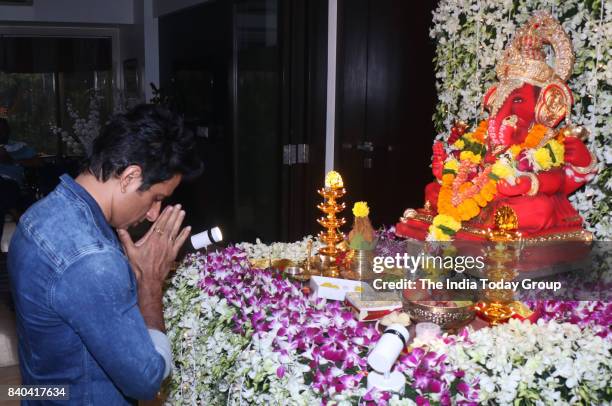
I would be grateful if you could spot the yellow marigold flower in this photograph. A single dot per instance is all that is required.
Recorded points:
(438, 234)
(459, 144)
(468, 209)
(515, 150)
(464, 187)
(446, 221)
(452, 165)
(542, 158)
(361, 209)
(559, 150)
(465, 216)
(469, 156)
(501, 170)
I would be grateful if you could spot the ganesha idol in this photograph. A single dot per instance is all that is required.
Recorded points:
(515, 170)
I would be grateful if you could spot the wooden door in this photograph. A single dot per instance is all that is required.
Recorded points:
(303, 108)
(252, 73)
(385, 100)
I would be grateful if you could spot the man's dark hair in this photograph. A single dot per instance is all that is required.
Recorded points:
(148, 136)
(5, 131)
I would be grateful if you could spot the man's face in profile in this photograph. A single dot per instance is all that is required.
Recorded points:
(131, 207)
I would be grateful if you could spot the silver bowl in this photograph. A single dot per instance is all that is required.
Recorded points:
(296, 272)
(447, 317)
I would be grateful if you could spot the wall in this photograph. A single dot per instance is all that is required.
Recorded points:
(137, 34)
(132, 42)
(72, 11)
(162, 7)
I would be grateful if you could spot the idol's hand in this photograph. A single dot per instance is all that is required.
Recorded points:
(576, 153)
(152, 256)
(520, 188)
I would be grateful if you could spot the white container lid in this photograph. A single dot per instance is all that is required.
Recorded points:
(206, 238)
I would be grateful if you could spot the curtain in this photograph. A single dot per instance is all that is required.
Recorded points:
(54, 54)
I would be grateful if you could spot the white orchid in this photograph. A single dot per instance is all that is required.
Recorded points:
(546, 361)
(295, 251)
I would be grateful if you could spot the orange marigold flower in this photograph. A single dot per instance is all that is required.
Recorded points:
(465, 187)
(447, 179)
(535, 136)
(482, 202)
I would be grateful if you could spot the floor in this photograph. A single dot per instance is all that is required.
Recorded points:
(9, 368)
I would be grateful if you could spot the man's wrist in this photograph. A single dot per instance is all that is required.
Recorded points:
(150, 287)
(151, 306)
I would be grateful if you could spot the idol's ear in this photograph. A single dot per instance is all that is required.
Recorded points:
(554, 104)
(488, 98)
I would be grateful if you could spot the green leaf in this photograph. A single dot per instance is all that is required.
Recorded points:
(447, 230)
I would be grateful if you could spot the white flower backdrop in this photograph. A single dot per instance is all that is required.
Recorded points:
(471, 36)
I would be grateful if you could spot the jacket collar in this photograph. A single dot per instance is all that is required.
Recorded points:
(79, 193)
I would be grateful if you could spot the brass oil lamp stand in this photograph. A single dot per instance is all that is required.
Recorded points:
(331, 236)
(495, 306)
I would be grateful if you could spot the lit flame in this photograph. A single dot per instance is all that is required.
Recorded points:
(333, 180)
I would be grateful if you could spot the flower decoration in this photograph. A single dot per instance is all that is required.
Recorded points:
(247, 335)
(361, 209)
(501, 170)
(520, 362)
(469, 184)
(444, 227)
(362, 236)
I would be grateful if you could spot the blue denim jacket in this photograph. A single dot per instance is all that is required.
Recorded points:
(78, 320)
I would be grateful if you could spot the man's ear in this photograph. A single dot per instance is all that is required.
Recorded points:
(130, 175)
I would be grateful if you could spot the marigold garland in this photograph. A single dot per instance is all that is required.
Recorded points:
(461, 199)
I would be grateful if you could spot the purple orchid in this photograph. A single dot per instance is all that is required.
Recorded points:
(323, 335)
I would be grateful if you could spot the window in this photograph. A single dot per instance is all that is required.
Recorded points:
(40, 74)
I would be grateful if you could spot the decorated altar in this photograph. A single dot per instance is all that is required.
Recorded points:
(244, 335)
(246, 332)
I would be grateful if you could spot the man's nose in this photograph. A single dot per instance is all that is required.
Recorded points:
(153, 212)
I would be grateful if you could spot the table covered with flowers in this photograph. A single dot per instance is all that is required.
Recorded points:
(244, 335)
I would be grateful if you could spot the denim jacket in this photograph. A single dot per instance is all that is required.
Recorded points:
(78, 320)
